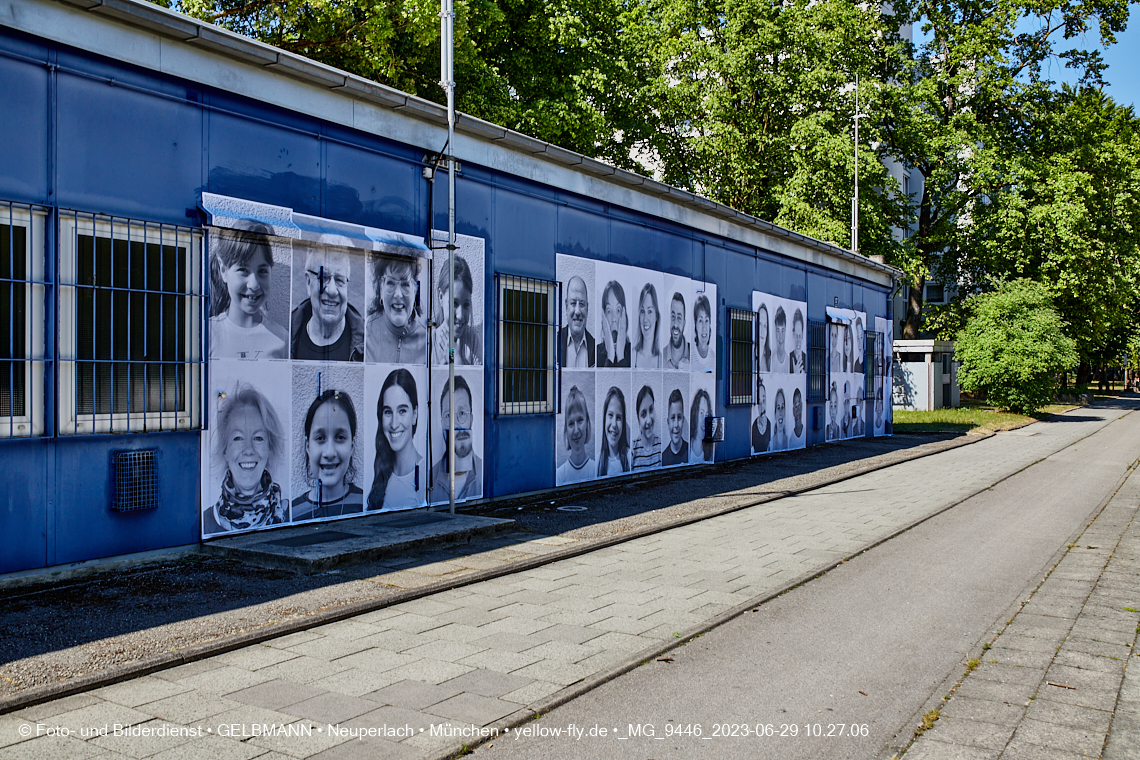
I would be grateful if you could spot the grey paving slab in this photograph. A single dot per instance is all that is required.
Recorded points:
(330, 707)
(413, 695)
(473, 708)
(275, 694)
(479, 653)
(487, 683)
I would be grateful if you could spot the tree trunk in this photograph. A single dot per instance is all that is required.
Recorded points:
(914, 309)
(1084, 373)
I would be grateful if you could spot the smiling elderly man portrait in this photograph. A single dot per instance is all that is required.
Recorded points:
(326, 327)
(575, 340)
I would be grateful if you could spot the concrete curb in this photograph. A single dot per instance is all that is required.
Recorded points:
(914, 743)
(896, 749)
(153, 664)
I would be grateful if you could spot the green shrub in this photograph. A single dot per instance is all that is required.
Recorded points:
(1014, 346)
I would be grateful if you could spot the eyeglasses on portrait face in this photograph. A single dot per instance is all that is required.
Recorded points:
(340, 280)
(390, 285)
(462, 418)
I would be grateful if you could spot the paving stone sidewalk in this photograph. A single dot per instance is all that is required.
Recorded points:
(1050, 686)
(52, 632)
(492, 653)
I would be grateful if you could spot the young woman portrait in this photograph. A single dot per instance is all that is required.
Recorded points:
(399, 476)
(614, 456)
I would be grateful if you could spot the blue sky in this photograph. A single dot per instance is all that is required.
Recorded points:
(1123, 61)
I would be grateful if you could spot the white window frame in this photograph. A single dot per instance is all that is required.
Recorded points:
(71, 226)
(550, 289)
(34, 221)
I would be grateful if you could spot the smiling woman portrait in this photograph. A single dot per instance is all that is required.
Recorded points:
(576, 433)
(394, 332)
(247, 444)
(330, 441)
(398, 482)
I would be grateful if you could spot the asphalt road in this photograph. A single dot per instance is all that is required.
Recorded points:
(865, 647)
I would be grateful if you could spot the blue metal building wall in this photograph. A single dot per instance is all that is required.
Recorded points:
(96, 135)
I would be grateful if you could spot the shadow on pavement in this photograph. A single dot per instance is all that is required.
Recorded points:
(184, 595)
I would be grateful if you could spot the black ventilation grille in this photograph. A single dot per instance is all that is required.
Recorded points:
(136, 480)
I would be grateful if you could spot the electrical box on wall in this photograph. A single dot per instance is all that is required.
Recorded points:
(714, 429)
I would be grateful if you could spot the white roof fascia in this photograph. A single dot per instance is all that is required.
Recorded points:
(149, 36)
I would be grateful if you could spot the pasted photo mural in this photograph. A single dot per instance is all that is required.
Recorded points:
(320, 380)
(781, 374)
(846, 410)
(638, 357)
(884, 367)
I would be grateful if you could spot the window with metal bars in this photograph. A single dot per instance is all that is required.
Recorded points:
(130, 325)
(871, 343)
(528, 329)
(22, 289)
(817, 361)
(741, 357)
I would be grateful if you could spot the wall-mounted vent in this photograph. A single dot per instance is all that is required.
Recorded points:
(136, 480)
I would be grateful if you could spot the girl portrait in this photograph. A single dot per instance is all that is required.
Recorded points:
(329, 451)
(241, 280)
(613, 457)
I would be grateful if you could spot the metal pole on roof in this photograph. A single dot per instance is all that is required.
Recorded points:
(447, 74)
(855, 201)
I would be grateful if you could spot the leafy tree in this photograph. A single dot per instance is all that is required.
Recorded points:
(1068, 216)
(1014, 346)
(572, 72)
(756, 104)
(968, 96)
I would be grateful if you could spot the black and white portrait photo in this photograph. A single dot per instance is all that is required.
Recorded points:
(675, 412)
(613, 404)
(467, 295)
(468, 419)
(615, 320)
(328, 291)
(249, 464)
(328, 458)
(395, 330)
(678, 298)
(249, 282)
(577, 344)
(702, 355)
(577, 430)
(397, 420)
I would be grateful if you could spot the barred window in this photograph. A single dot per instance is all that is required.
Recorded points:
(741, 357)
(130, 325)
(528, 327)
(817, 361)
(871, 343)
(22, 289)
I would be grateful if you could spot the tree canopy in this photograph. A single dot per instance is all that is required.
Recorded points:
(1014, 346)
(751, 103)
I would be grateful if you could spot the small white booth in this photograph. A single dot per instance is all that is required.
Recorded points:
(925, 375)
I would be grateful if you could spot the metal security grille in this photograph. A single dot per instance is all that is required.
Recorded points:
(870, 347)
(130, 325)
(136, 480)
(22, 290)
(817, 361)
(741, 357)
(528, 330)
